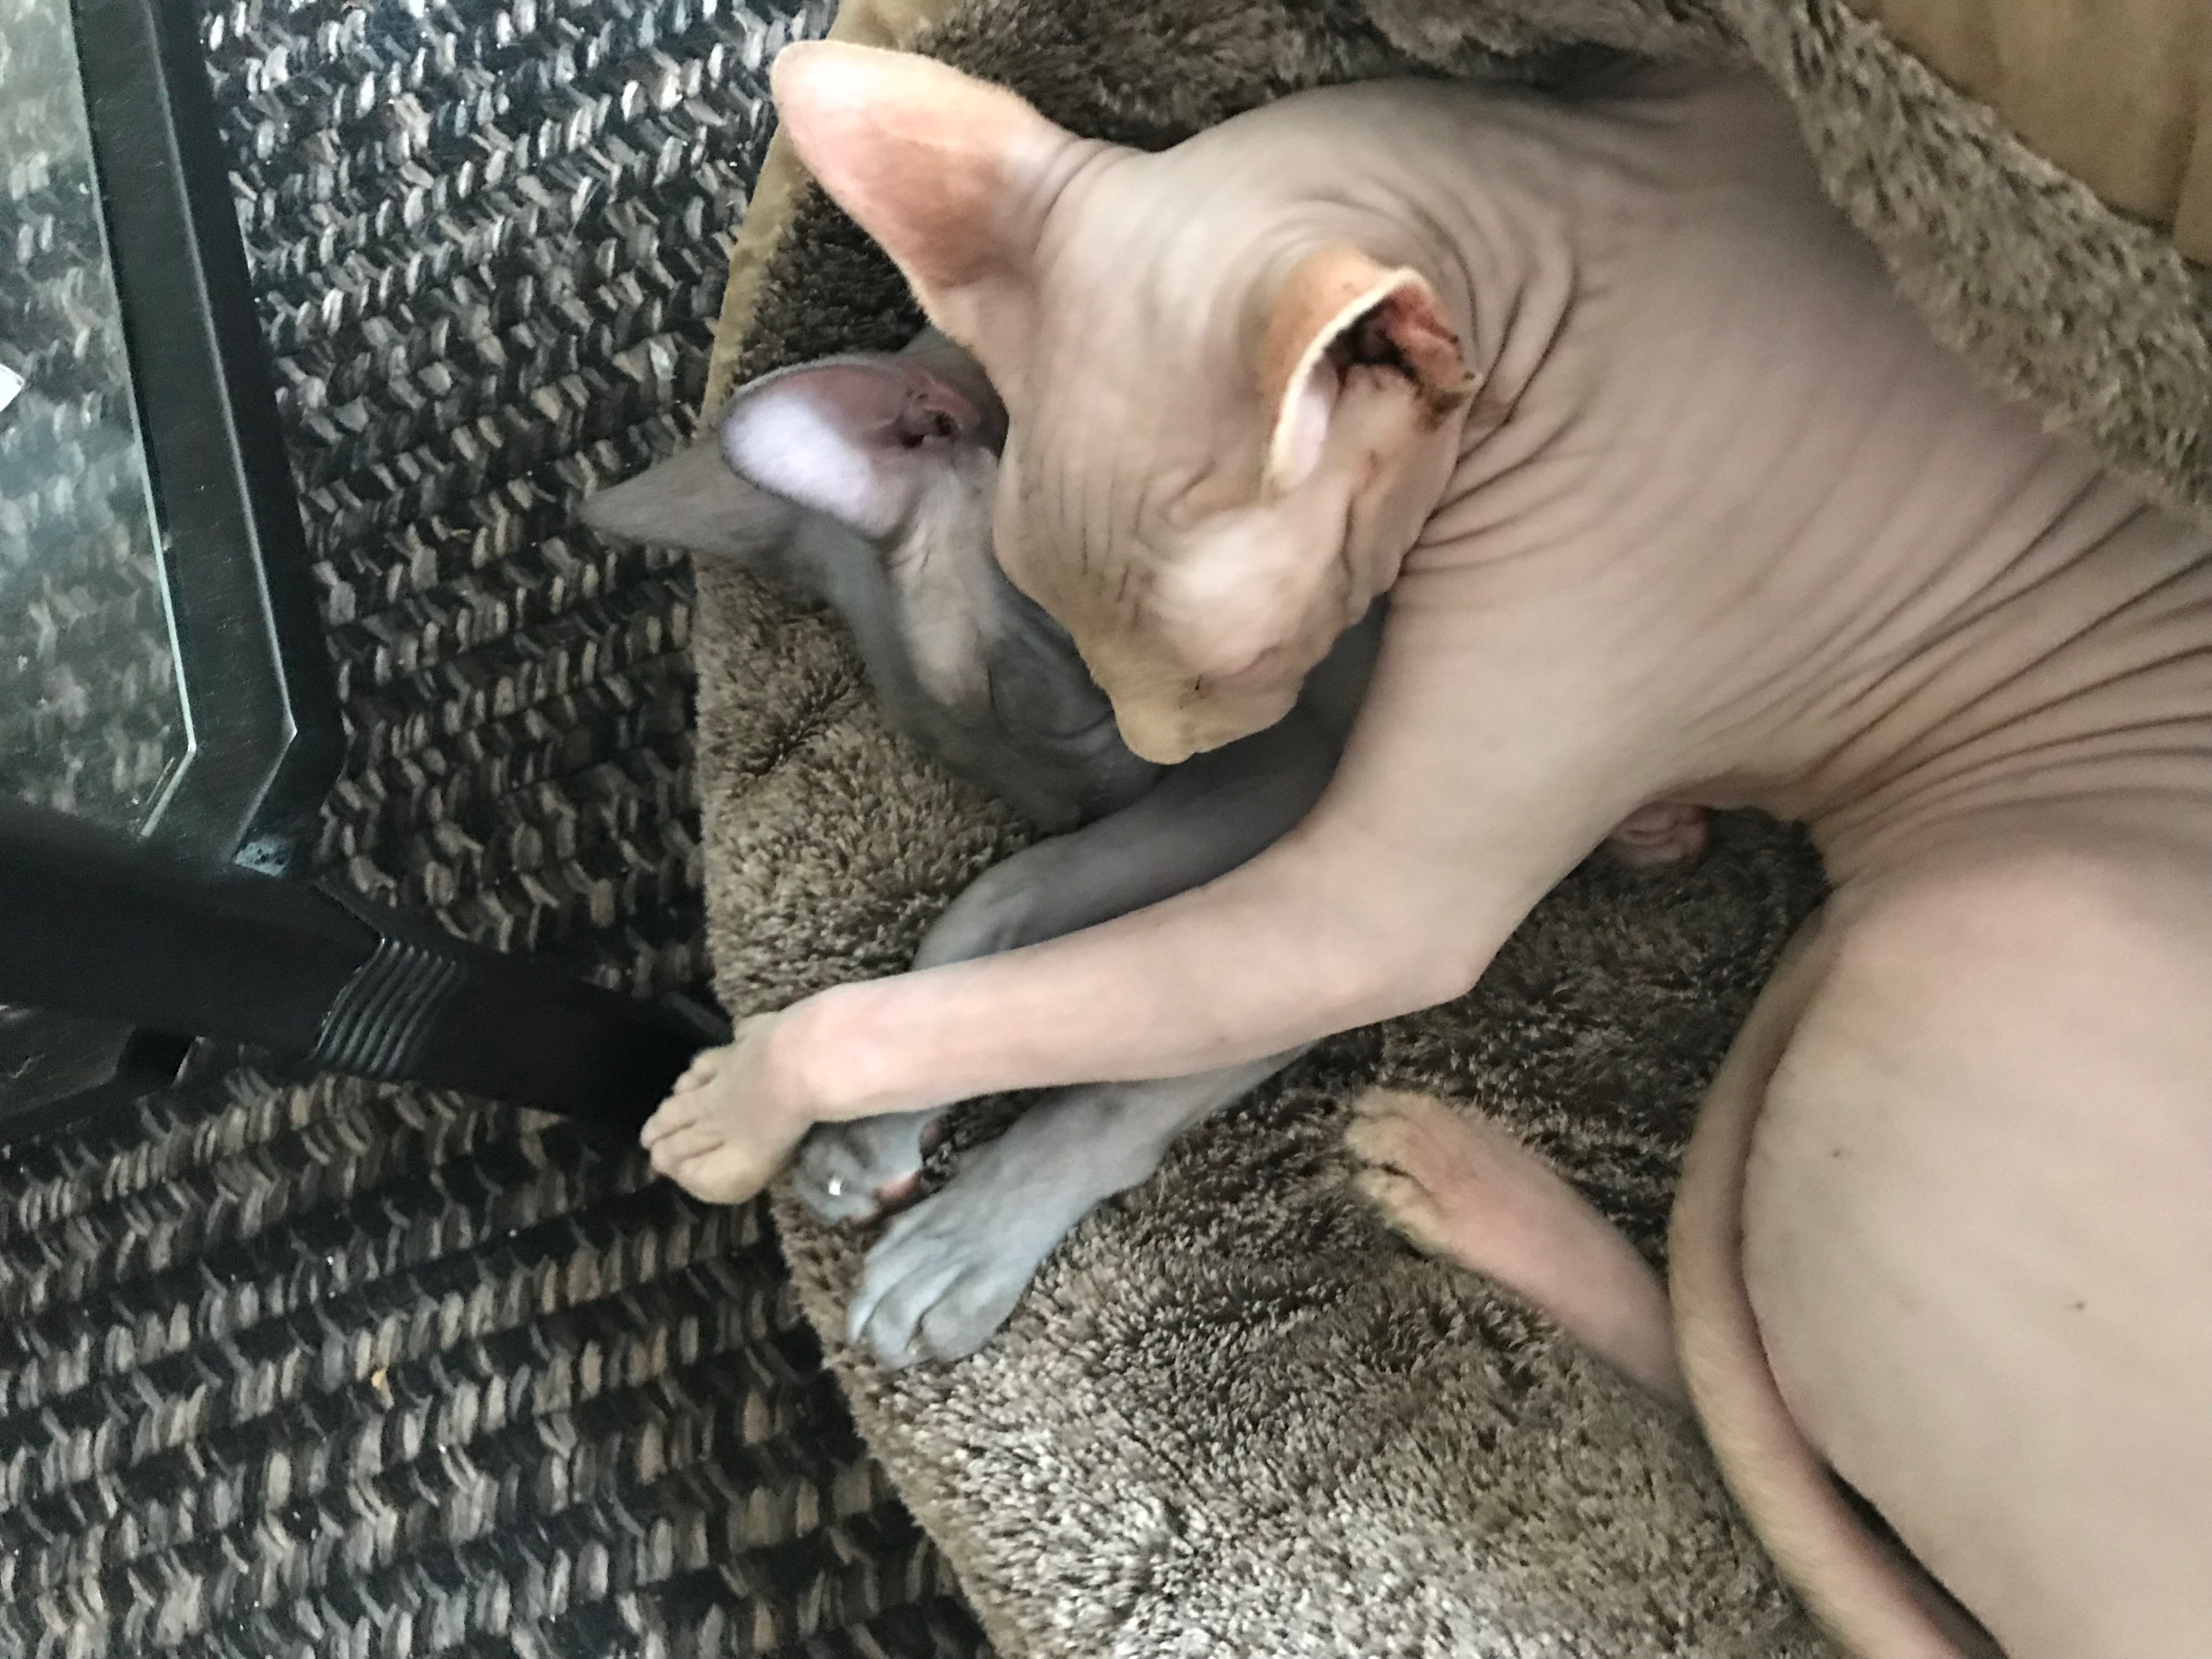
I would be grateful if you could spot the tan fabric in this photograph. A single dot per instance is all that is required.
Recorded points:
(2117, 93)
(865, 23)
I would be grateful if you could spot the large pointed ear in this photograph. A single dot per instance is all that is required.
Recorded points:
(1340, 319)
(692, 500)
(934, 164)
(858, 438)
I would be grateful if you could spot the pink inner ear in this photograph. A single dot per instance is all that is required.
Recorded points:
(1302, 428)
(935, 412)
(857, 440)
(925, 158)
(1339, 307)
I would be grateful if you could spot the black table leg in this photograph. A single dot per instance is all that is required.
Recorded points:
(99, 924)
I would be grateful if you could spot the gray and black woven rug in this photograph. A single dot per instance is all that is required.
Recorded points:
(338, 1370)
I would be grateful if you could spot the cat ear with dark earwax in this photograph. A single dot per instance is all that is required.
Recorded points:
(1341, 318)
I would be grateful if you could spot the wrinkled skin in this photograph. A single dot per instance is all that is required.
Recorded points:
(886, 464)
(1685, 506)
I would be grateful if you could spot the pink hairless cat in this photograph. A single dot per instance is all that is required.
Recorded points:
(1674, 499)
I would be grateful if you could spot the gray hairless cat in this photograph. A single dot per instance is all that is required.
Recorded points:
(865, 483)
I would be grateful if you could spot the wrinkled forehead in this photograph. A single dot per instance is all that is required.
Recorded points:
(1135, 410)
(1121, 449)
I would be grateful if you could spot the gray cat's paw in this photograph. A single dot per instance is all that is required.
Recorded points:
(1009, 905)
(859, 1170)
(946, 1274)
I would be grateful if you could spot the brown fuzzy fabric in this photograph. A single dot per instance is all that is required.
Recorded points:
(1233, 1417)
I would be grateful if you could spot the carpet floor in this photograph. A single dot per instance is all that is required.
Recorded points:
(344, 1370)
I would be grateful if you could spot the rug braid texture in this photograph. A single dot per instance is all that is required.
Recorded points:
(344, 1370)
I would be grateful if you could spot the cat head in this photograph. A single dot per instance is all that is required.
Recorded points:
(866, 482)
(1226, 429)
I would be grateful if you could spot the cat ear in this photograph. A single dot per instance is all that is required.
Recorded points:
(692, 500)
(934, 164)
(859, 438)
(1341, 317)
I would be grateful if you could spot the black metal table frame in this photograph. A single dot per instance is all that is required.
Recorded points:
(259, 698)
(197, 931)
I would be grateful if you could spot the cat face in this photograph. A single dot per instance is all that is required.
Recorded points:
(1223, 438)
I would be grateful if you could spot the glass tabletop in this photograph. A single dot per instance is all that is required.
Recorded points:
(93, 716)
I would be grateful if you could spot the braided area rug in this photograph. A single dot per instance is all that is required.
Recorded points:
(338, 1370)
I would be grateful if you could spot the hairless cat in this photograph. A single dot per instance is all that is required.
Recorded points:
(865, 483)
(1674, 499)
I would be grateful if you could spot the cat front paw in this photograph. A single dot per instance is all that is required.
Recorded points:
(864, 1170)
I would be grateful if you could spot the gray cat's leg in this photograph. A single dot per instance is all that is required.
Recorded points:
(859, 1170)
(1203, 820)
(945, 1274)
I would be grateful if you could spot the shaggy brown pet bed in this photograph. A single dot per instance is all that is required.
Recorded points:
(1233, 1416)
